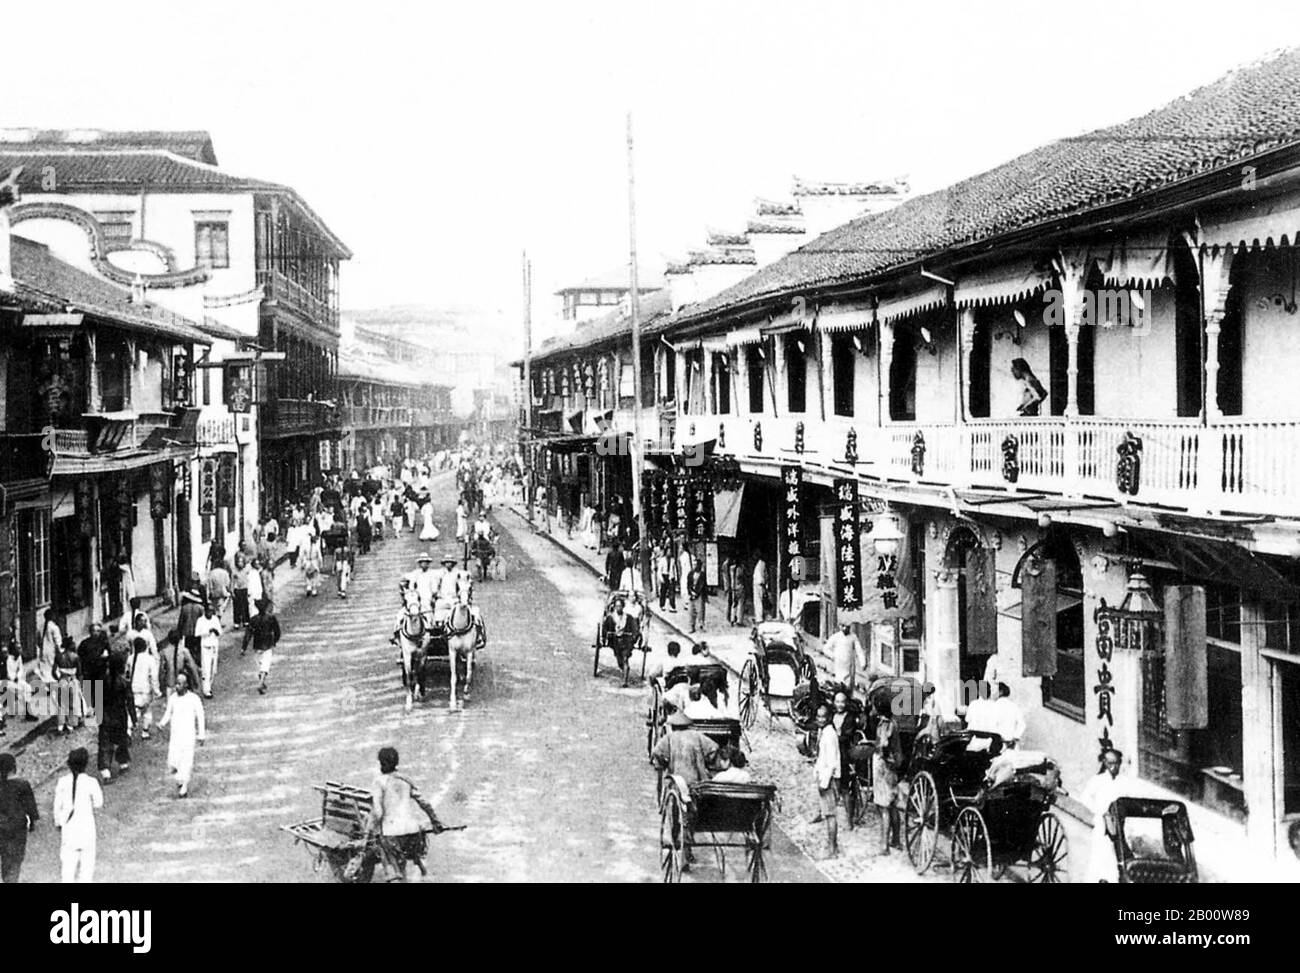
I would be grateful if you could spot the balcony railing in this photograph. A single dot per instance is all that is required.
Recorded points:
(278, 287)
(1231, 466)
(376, 416)
(298, 415)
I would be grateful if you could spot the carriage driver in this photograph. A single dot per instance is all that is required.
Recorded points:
(423, 583)
(453, 584)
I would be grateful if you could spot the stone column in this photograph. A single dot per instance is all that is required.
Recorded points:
(943, 643)
(966, 339)
(1258, 739)
(886, 362)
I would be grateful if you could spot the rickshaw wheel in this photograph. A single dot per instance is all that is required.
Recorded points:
(671, 839)
(921, 822)
(595, 663)
(748, 694)
(652, 721)
(972, 860)
(857, 808)
(755, 864)
(1049, 859)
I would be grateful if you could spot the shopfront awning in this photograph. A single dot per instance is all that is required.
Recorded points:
(745, 336)
(922, 300)
(726, 511)
(1003, 284)
(1245, 228)
(1141, 260)
(1216, 561)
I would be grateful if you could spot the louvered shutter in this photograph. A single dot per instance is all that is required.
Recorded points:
(1038, 617)
(981, 602)
(1186, 683)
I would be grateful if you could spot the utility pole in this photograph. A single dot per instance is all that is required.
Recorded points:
(528, 383)
(635, 297)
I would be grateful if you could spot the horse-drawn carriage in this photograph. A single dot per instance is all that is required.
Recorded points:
(1152, 838)
(713, 815)
(775, 670)
(995, 804)
(435, 642)
(621, 643)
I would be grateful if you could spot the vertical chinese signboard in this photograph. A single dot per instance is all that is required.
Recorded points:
(160, 490)
(792, 483)
(226, 480)
(848, 566)
(702, 513)
(208, 487)
(681, 502)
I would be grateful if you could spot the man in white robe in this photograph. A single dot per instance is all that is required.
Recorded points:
(185, 716)
(1098, 795)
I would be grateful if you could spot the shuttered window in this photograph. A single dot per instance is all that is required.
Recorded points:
(212, 244)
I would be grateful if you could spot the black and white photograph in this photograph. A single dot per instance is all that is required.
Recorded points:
(687, 443)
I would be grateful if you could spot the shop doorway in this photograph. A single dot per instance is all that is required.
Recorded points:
(1286, 744)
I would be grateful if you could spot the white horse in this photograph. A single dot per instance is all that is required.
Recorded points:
(462, 627)
(411, 635)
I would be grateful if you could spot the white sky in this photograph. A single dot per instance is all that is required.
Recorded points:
(439, 140)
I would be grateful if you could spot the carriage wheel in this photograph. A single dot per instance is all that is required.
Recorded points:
(1049, 860)
(652, 721)
(748, 693)
(755, 865)
(921, 822)
(857, 802)
(595, 663)
(972, 854)
(672, 835)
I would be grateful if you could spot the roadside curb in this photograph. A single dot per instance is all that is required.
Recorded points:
(599, 575)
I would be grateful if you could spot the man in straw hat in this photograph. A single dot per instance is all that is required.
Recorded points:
(423, 582)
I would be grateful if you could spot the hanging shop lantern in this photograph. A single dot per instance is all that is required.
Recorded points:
(1138, 623)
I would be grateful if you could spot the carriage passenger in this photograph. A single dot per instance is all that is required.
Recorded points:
(423, 583)
(731, 767)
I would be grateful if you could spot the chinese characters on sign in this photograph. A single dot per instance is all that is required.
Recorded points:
(226, 480)
(238, 381)
(1105, 688)
(702, 515)
(160, 491)
(792, 485)
(207, 487)
(848, 579)
(681, 502)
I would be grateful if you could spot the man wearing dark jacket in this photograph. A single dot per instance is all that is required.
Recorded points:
(94, 652)
(614, 565)
(264, 632)
(190, 613)
(18, 815)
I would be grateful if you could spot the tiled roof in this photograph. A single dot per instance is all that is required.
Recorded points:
(721, 238)
(1248, 111)
(195, 144)
(655, 310)
(772, 207)
(49, 283)
(94, 169)
(884, 187)
(723, 255)
(774, 226)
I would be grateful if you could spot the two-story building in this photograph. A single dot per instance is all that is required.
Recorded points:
(1036, 427)
(95, 443)
(246, 259)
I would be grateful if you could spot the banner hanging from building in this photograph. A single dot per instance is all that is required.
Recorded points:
(226, 480)
(889, 587)
(160, 490)
(208, 487)
(237, 380)
(84, 501)
(792, 485)
(848, 551)
(701, 509)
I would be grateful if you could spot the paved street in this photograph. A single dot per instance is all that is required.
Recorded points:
(546, 765)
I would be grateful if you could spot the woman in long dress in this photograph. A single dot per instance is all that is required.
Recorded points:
(429, 532)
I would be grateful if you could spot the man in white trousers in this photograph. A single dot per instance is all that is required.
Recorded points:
(76, 798)
(185, 716)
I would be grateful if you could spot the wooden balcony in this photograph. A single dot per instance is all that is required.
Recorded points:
(282, 290)
(376, 417)
(291, 417)
(1235, 466)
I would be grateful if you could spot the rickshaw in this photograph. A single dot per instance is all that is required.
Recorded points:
(633, 641)
(775, 669)
(718, 816)
(693, 675)
(1152, 839)
(995, 804)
